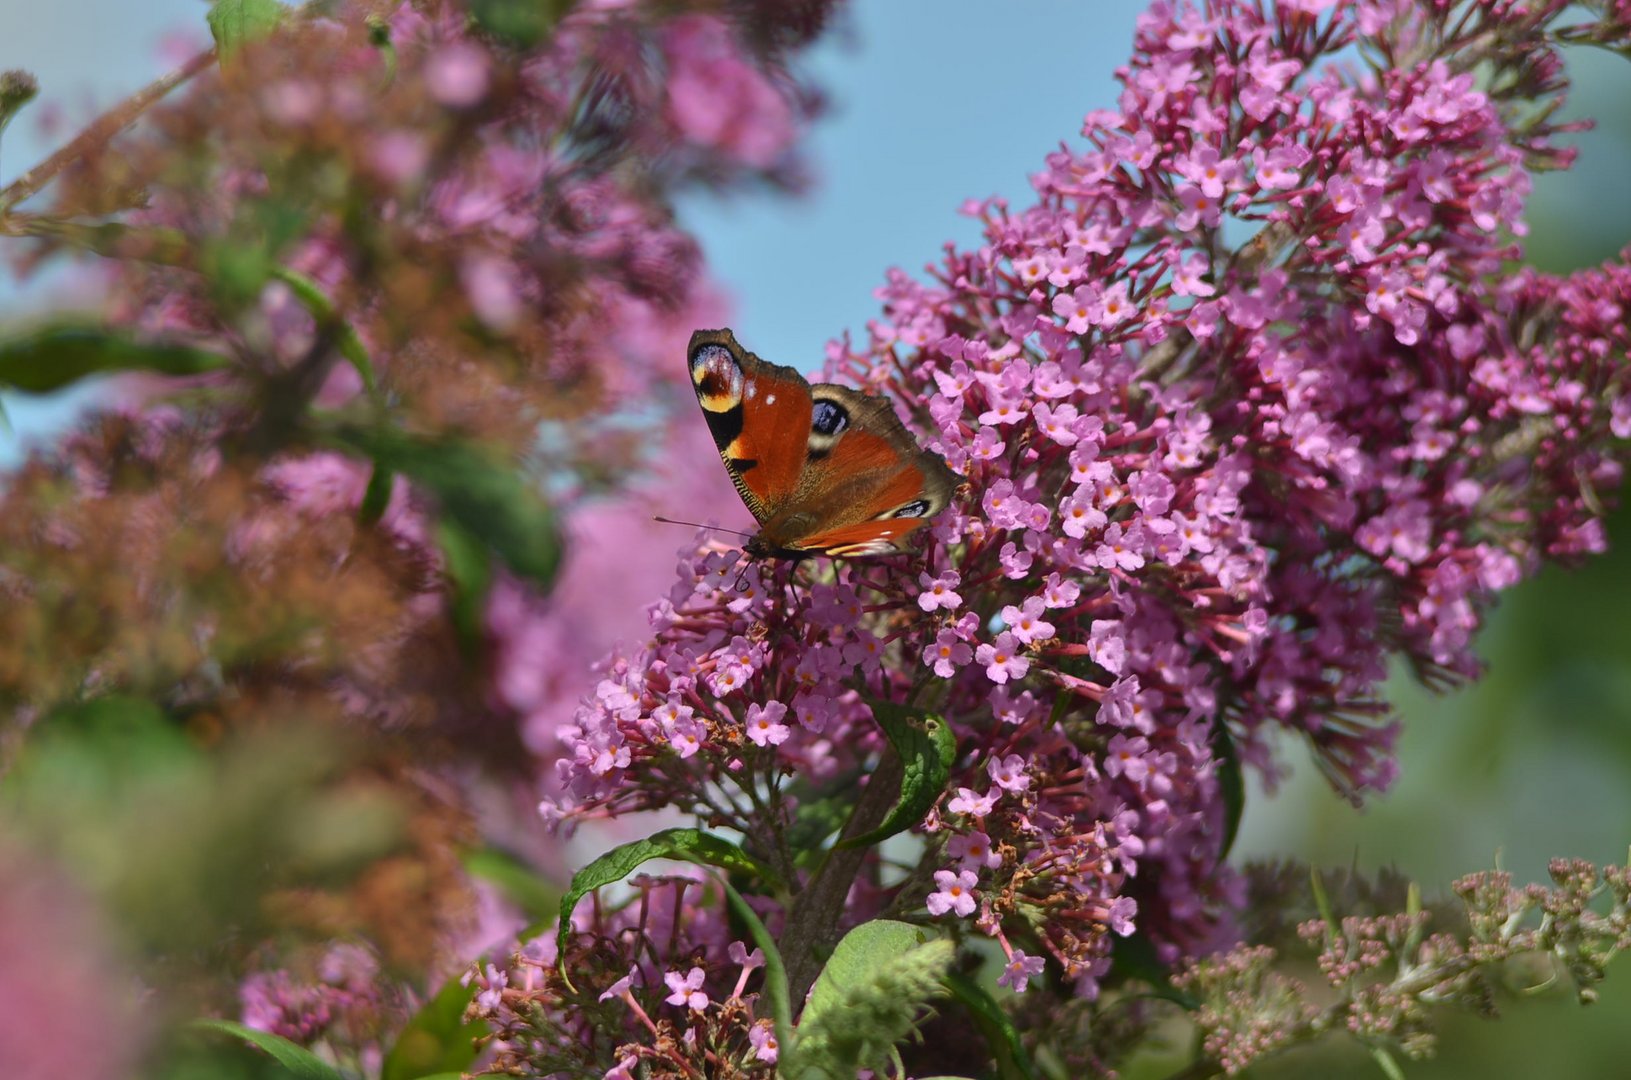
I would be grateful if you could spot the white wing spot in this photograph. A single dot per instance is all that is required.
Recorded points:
(752, 390)
(770, 399)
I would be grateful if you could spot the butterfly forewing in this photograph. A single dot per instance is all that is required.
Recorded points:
(753, 409)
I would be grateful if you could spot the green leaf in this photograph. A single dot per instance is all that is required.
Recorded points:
(315, 300)
(521, 23)
(376, 498)
(1013, 1063)
(1231, 784)
(822, 810)
(55, 356)
(776, 989)
(128, 733)
(234, 23)
(480, 493)
(297, 1059)
(1135, 958)
(1322, 903)
(537, 897)
(868, 998)
(927, 748)
(687, 845)
(470, 575)
(437, 1040)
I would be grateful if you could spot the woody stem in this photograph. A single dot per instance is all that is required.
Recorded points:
(812, 929)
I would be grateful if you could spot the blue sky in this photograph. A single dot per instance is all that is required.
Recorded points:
(933, 102)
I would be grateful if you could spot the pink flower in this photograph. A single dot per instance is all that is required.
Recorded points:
(1027, 623)
(1122, 911)
(621, 986)
(1080, 308)
(1019, 971)
(973, 851)
(458, 74)
(762, 1037)
(1058, 423)
(764, 726)
(966, 801)
(1001, 659)
(718, 100)
(489, 282)
(1009, 773)
(939, 593)
(955, 893)
(687, 989)
(947, 653)
(738, 952)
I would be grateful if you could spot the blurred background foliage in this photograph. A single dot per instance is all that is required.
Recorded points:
(185, 836)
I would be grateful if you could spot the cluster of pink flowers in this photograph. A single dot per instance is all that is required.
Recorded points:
(346, 992)
(1246, 409)
(621, 971)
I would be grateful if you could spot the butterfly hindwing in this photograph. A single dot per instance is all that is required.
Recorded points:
(759, 415)
(903, 501)
(866, 483)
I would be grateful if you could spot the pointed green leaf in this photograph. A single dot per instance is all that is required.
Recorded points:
(470, 575)
(478, 491)
(927, 749)
(301, 1062)
(850, 965)
(686, 845)
(437, 1040)
(236, 22)
(53, 357)
(377, 497)
(1134, 957)
(1231, 784)
(315, 300)
(521, 23)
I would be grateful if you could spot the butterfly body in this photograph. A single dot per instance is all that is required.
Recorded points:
(824, 469)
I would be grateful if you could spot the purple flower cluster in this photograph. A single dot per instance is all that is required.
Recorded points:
(696, 1007)
(345, 993)
(1246, 409)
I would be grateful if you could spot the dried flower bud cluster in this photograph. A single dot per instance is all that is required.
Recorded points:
(1389, 974)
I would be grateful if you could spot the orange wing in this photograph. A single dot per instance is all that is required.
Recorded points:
(759, 415)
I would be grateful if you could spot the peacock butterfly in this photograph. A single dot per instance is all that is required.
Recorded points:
(825, 470)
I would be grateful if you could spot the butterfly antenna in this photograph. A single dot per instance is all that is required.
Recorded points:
(699, 525)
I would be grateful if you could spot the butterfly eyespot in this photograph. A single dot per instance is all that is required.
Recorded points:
(829, 418)
(917, 508)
